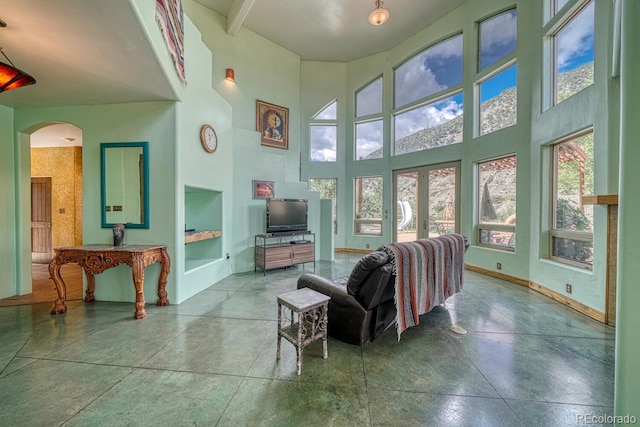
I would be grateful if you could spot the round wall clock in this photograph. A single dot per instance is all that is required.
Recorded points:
(208, 138)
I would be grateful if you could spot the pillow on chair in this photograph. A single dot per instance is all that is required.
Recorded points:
(363, 270)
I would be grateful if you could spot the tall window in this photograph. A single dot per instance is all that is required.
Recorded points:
(368, 205)
(497, 203)
(328, 189)
(428, 101)
(572, 50)
(323, 134)
(572, 222)
(496, 81)
(368, 127)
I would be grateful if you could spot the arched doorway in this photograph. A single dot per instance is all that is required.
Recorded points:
(51, 209)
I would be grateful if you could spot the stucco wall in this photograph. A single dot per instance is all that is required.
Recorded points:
(64, 166)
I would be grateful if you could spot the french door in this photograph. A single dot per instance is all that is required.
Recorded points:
(427, 201)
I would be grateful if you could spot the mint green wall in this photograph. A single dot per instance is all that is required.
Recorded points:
(263, 70)
(627, 397)
(8, 229)
(198, 169)
(586, 108)
(152, 122)
(252, 162)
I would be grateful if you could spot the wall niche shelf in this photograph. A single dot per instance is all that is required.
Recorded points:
(203, 219)
(197, 235)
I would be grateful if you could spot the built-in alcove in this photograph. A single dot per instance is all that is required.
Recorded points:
(203, 226)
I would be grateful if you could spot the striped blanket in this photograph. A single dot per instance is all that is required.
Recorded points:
(428, 271)
(169, 16)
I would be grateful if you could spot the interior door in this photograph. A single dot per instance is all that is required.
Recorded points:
(41, 246)
(427, 201)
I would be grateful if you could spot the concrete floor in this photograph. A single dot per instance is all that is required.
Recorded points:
(210, 361)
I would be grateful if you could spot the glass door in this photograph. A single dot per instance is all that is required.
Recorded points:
(427, 201)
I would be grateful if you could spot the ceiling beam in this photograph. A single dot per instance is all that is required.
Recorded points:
(237, 14)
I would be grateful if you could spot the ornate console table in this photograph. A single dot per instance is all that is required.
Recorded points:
(95, 259)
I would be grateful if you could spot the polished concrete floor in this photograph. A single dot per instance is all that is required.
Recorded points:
(210, 361)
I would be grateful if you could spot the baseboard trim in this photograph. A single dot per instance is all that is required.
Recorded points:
(571, 303)
(562, 299)
(508, 278)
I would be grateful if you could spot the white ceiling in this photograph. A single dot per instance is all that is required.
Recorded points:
(333, 30)
(84, 52)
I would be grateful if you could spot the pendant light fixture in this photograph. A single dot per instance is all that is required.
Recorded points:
(379, 15)
(10, 76)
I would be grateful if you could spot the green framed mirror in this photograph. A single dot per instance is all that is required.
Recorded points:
(124, 179)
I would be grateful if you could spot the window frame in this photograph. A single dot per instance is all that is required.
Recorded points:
(511, 55)
(335, 206)
(324, 122)
(435, 95)
(556, 24)
(355, 138)
(367, 118)
(493, 227)
(357, 222)
(487, 74)
(583, 236)
(363, 87)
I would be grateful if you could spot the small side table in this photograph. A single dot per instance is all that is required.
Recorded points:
(306, 323)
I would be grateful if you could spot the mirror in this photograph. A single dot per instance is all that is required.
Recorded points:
(125, 184)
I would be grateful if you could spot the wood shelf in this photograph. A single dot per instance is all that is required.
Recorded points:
(602, 199)
(196, 236)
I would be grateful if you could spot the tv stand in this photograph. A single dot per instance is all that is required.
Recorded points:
(282, 250)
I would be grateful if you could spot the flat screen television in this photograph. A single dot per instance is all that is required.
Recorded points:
(285, 215)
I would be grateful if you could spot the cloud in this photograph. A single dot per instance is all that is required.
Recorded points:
(498, 37)
(576, 39)
(427, 116)
(323, 143)
(368, 138)
(429, 72)
(369, 99)
(328, 112)
(499, 32)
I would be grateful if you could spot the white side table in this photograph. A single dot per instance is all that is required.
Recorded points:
(306, 321)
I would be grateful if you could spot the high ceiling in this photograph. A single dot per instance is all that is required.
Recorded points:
(332, 30)
(84, 52)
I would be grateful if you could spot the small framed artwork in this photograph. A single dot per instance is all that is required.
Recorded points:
(264, 189)
(272, 121)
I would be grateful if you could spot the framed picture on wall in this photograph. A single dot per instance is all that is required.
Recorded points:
(264, 189)
(272, 121)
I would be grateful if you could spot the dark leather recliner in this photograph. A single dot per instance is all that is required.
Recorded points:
(362, 305)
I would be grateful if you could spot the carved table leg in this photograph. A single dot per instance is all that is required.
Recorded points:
(162, 281)
(137, 265)
(91, 286)
(54, 271)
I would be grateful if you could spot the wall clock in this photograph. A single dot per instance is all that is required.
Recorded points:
(208, 138)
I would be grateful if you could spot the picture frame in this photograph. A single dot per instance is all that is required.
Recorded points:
(272, 121)
(263, 189)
